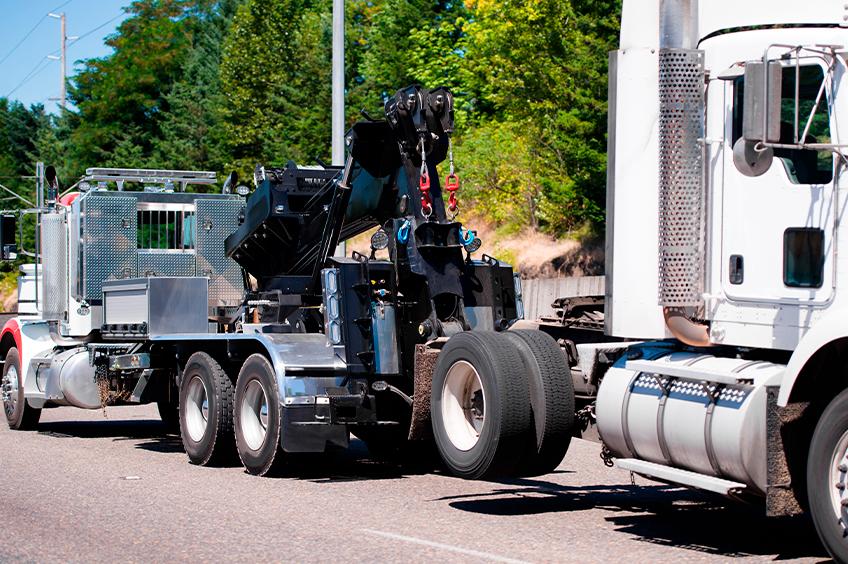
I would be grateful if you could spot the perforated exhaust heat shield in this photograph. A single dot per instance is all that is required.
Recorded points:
(681, 177)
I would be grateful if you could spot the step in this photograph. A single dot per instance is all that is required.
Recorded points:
(680, 476)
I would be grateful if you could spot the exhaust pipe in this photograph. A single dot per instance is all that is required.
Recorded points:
(685, 330)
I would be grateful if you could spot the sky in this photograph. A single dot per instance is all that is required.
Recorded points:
(28, 36)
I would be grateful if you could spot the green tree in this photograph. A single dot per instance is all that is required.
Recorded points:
(543, 63)
(127, 88)
(192, 135)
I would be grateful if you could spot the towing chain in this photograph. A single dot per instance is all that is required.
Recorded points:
(101, 374)
(606, 456)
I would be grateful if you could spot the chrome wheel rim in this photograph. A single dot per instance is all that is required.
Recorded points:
(254, 415)
(839, 482)
(10, 390)
(197, 409)
(463, 405)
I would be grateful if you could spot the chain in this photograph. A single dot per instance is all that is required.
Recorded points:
(101, 374)
(107, 396)
(606, 456)
(424, 184)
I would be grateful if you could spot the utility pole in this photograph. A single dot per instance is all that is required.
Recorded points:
(63, 64)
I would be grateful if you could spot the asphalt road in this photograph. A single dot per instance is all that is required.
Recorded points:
(86, 489)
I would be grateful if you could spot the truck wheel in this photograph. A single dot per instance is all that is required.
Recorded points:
(551, 399)
(19, 415)
(169, 413)
(206, 411)
(827, 477)
(258, 416)
(480, 405)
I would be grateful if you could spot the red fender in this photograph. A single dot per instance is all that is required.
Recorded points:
(12, 326)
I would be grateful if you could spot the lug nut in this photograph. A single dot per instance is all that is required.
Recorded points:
(839, 486)
(843, 467)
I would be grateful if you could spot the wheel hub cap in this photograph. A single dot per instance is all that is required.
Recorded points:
(10, 391)
(197, 409)
(839, 481)
(463, 405)
(254, 415)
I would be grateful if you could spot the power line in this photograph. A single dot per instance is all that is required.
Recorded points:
(104, 24)
(39, 68)
(30, 32)
(32, 74)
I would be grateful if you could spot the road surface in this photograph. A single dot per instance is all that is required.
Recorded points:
(88, 489)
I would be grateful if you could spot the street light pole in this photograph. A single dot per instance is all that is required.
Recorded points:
(338, 146)
(338, 114)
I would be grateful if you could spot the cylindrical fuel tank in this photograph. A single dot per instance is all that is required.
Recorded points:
(698, 412)
(72, 380)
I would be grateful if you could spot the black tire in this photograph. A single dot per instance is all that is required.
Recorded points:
(828, 450)
(169, 413)
(19, 415)
(259, 447)
(507, 418)
(210, 444)
(551, 399)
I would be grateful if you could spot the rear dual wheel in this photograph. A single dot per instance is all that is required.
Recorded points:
(206, 411)
(480, 405)
(258, 417)
(502, 404)
(551, 400)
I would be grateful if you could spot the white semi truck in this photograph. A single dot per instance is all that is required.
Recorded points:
(726, 191)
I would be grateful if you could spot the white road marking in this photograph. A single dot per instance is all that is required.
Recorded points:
(442, 546)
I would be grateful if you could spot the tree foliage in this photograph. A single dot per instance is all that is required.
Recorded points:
(220, 84)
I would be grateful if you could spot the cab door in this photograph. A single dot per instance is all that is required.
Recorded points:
(778, 228)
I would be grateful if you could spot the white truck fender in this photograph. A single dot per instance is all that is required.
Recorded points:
(830, 328)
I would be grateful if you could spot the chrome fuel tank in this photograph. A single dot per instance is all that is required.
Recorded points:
(71, 380)
(687, 410)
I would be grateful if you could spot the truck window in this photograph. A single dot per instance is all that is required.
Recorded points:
(165, 230)
(803, 257)
(802, 166)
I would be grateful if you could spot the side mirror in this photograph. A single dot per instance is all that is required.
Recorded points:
(761, 106)
(52, 184)
(229, 183)
(8, 231)
(760, 118)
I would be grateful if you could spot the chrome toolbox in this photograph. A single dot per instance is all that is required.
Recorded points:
(142, 307)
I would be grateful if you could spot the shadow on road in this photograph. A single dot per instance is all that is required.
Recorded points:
(152, 433)
(342, 465)
(664, 515)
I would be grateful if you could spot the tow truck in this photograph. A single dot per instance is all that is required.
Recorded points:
(229, 311)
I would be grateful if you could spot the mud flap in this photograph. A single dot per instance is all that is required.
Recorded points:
(420, 427)
(780, 495)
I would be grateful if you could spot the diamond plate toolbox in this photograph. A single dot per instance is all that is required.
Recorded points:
(216, 220)
(108, 242)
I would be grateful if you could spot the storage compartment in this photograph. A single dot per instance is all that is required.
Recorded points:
(155, 306)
